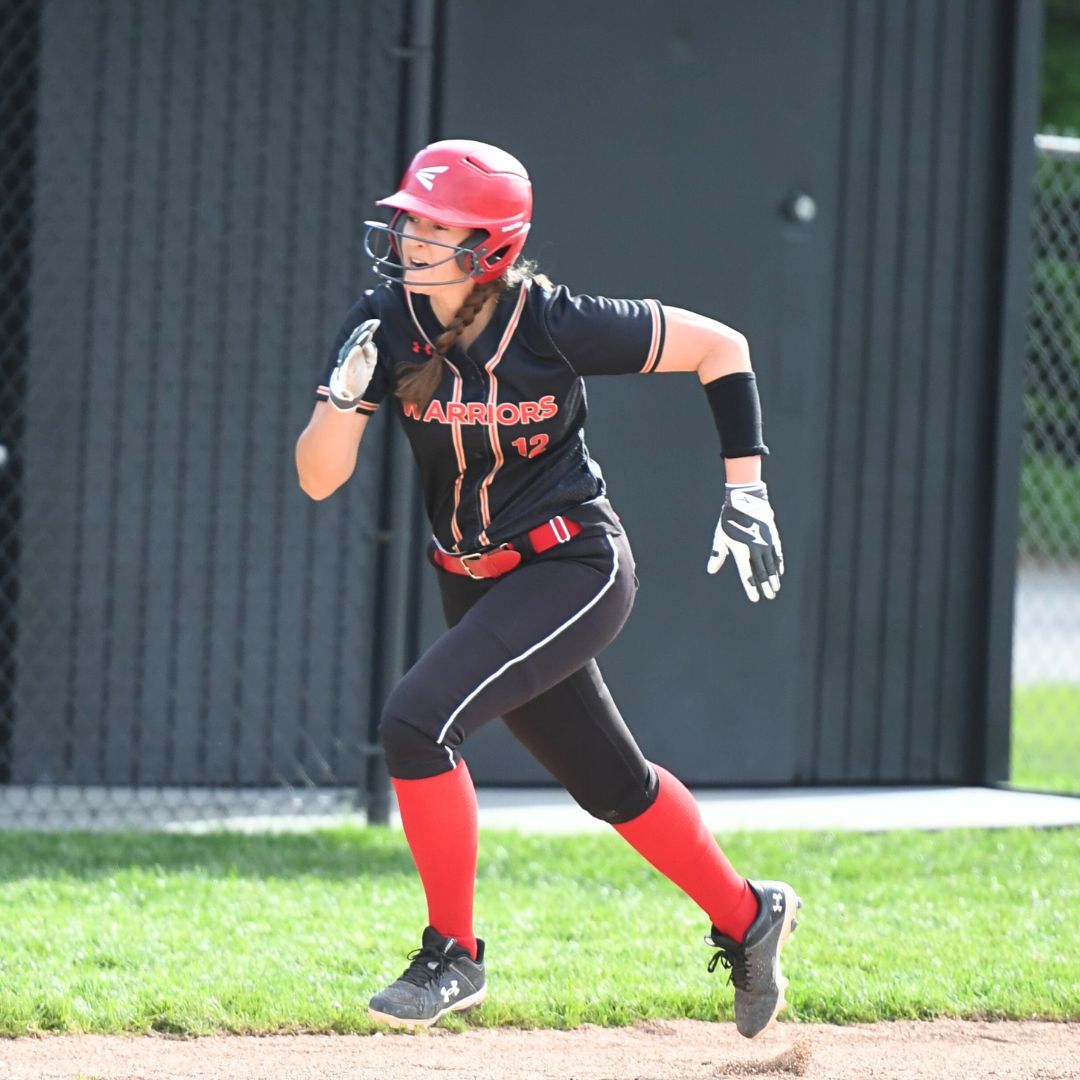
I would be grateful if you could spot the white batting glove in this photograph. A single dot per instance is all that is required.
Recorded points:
(355, 366)
(747, 531)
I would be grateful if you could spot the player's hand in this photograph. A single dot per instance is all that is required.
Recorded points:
(355, 366)
(747, 531)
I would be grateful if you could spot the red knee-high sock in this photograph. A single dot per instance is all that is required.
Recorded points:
(439, 817)
(673, 837)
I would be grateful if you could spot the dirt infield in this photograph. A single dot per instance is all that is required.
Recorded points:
(658, 1050)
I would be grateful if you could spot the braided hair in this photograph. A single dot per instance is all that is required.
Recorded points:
(417, 383)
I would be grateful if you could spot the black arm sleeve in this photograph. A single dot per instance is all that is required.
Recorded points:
(736, 408)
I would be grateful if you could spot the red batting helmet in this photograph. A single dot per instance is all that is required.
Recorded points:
(463, 184)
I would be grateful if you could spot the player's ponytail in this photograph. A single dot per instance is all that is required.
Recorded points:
(417, 383)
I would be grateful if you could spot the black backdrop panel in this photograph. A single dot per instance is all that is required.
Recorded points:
(666, 143)
(187, 614)
(664, 153)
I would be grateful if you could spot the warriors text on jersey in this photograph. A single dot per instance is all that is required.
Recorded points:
(501, 448)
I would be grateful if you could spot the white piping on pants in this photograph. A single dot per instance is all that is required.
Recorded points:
(528, 652)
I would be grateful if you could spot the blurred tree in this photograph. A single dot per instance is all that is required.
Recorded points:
(1061, 66)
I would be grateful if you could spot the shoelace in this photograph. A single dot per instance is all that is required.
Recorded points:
(733, 957)
(427, 966)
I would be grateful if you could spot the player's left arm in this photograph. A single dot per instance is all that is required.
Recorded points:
(720, 355)
(694, 342)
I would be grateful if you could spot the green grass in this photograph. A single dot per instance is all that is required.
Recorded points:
(193, 934)
(1046, 737)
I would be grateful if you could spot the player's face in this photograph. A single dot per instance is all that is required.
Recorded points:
(424, 256)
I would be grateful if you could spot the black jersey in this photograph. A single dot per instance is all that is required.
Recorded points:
(501, 447)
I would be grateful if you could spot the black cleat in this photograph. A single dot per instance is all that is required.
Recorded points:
(442, 978)
(755, 962)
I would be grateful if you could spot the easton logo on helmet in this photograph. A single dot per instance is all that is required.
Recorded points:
(427, 176)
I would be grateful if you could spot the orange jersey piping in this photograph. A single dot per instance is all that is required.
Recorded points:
(654, 345)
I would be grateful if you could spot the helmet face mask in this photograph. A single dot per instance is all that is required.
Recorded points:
(460, 184)
(382, 243)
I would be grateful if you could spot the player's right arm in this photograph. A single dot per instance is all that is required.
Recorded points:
(327, 448)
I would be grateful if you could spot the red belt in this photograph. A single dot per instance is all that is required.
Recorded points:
(504, 558)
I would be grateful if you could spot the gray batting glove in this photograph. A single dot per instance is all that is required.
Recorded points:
(355, 366)
(747, 531)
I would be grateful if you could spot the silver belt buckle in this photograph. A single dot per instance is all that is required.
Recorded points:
(466, 559)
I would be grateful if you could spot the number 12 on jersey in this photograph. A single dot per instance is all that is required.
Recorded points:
(531, 447)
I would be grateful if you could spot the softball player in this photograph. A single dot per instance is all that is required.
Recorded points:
(482, 361)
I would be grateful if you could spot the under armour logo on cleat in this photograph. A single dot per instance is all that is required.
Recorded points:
(777, 901)
(450, 991)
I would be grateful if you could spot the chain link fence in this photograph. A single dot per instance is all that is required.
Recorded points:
(19, 39)
(1046, 642)
(184, 636)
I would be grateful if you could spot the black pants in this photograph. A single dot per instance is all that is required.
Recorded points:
(523, 647)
